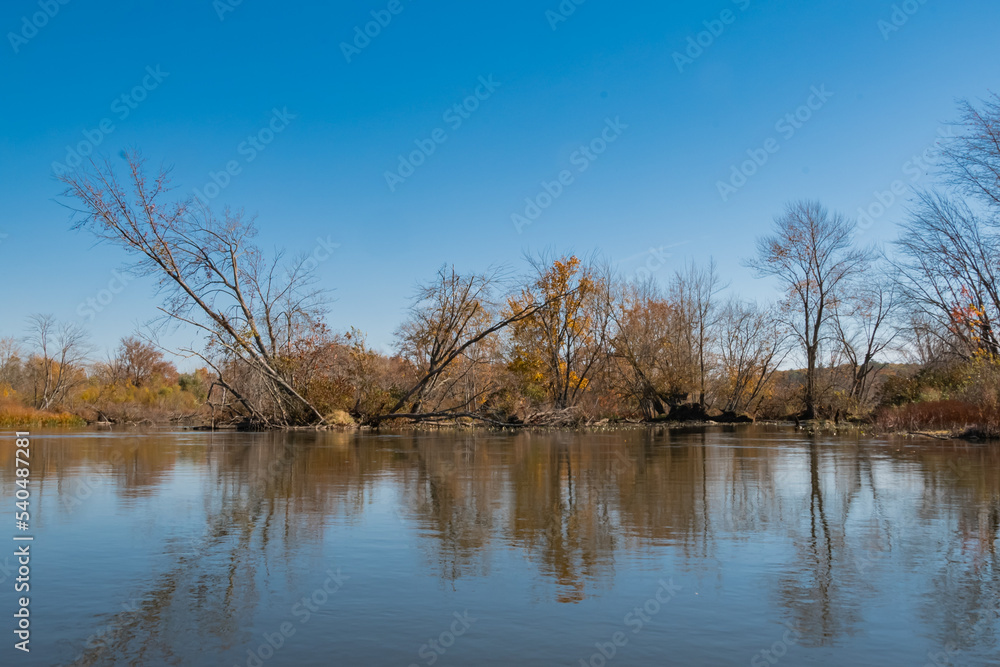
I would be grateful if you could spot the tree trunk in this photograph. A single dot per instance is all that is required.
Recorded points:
(810, 412)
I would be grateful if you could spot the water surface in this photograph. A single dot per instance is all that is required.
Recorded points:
(621, 548)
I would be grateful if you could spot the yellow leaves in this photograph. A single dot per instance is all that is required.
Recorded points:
(549, 344)
(557, 280)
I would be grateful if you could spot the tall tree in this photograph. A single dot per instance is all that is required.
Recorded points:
(693, 292)
(948, 257)
(563, 340)
(649, 347)
(10, 363)
(864, 328)
(971, 162)
(811, 253)
(449, 338)
(60, 350)
(751, 348)
(948, 266)
(137, 362)
(250, 308)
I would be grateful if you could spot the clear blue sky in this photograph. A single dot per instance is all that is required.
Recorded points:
(324, 174)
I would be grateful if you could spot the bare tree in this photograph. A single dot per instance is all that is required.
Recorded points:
(446, 313)
(137, 362)
(864, 329)
(212, 276)
(947, 266)
(971, 162)
(453, 318)
(10, 362)
(949, 251)
(922, 343)
(60, 350)
(650, 347)
(812, 255)
(752, 345)
(693, 292)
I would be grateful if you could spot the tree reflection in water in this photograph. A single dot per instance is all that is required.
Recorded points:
(841, 514)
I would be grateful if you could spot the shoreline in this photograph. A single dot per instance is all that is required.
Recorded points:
(812, 427)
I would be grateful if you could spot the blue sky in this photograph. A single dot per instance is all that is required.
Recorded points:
(200, 78)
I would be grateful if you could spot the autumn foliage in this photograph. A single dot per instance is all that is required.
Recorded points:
(901, 336)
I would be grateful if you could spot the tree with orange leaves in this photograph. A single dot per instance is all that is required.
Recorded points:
(652, 361)
(557, 348)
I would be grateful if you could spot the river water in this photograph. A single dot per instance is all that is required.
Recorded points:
(722, 546)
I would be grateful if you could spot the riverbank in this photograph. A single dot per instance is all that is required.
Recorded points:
(29, 418)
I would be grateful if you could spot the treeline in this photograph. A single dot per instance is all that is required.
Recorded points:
(47, 379)
(903, 335)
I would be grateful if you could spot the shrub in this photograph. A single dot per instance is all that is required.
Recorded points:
(13, 414)
(928, 384)
(949, 415)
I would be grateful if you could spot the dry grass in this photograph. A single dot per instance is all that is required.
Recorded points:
(15, 415)
(950, 416)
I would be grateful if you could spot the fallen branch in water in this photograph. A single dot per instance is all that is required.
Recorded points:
(553, 418)
(930, 435)
(434, 416)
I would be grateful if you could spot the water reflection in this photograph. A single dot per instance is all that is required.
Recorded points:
(843, 528)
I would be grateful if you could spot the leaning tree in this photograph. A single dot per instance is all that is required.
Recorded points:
(250, 307)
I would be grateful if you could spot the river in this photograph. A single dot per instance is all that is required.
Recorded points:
(716, 546)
